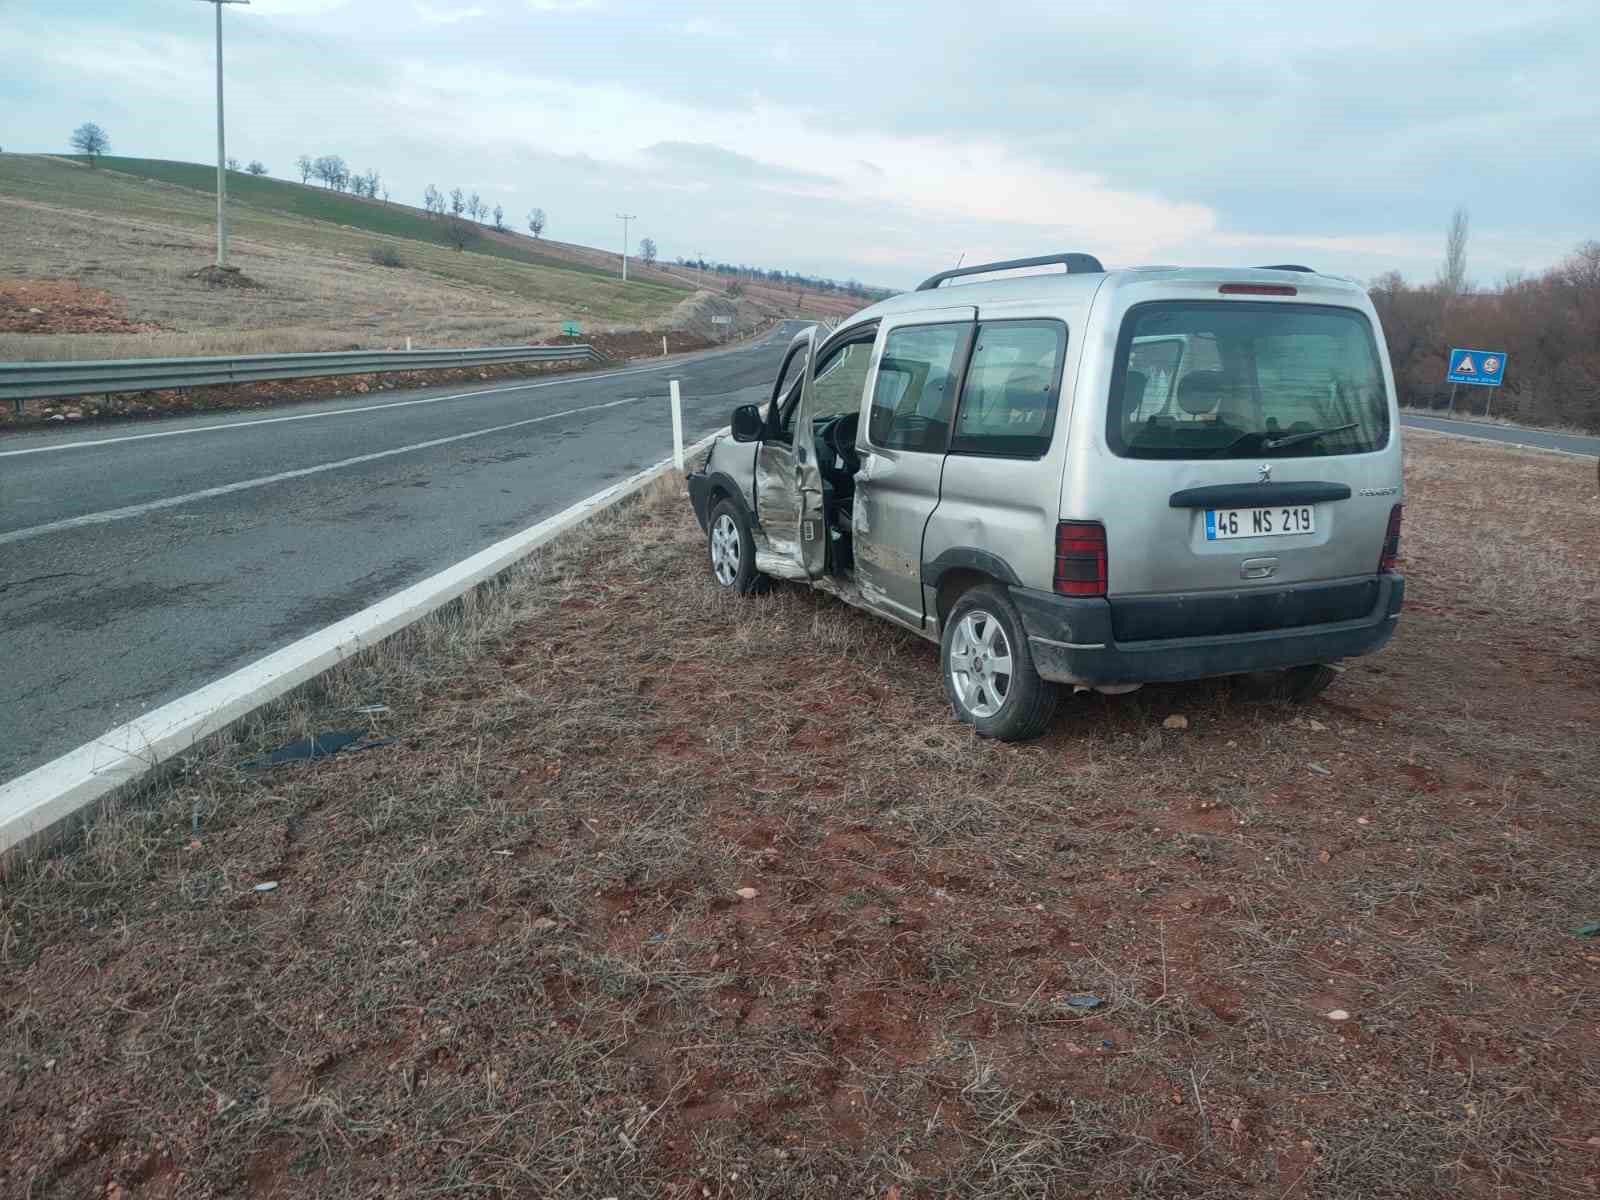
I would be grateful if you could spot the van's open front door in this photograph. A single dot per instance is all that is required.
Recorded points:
(788, 482)
(812, 535)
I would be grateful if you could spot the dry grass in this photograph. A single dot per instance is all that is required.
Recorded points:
(506, 955)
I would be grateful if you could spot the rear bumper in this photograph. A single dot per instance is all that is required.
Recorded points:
(1072, 640)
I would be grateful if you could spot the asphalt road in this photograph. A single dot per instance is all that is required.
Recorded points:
(1572, 443)
(139, 562)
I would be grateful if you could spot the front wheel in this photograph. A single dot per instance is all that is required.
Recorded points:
(988, 669)
(732, 550)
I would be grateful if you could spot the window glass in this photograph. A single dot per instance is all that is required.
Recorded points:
(784, 394)
(915, 390)
(1008, 403)
(1250, 379)
(841, 379)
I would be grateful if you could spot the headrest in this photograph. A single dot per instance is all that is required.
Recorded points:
(1201, 391)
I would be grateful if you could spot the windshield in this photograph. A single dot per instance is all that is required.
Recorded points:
(1220, 379)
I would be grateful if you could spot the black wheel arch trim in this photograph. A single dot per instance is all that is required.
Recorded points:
(701, 488)
(969, 558)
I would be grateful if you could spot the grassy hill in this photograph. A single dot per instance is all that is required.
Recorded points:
(134, 231)
(315, 203)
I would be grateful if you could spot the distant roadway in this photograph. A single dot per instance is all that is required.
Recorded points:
(1571, 443)
(141, 561)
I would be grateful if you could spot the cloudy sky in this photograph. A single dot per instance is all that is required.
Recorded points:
(883, 140)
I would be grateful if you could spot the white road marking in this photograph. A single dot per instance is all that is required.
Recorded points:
(341, 412)
(35, 802)
(244, 485)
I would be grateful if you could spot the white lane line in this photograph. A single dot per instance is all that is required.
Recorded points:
(244, 485)
(35, 802)
(342, 412)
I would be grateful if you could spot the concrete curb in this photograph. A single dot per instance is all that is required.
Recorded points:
(35, 804)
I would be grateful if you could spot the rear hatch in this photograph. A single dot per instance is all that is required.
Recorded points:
(1246, 460)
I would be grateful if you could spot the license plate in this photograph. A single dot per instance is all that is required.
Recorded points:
(1224, 523)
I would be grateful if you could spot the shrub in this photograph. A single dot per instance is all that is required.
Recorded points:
(386, 256)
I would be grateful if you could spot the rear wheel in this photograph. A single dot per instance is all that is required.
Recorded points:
(1307, 683)
(732, 550)
(1298, 684)
(988, 670)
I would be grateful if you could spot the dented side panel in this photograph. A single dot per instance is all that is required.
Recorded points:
(1008, 506)
(736, 461)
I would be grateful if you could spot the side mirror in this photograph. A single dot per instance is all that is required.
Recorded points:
(748, 424)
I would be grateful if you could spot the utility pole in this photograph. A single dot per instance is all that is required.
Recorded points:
(222, 153)
(625, 218)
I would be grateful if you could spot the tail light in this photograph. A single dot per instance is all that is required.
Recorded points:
(1081, 558)
(1389, 560)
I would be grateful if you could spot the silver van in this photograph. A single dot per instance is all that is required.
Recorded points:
(1094, 478)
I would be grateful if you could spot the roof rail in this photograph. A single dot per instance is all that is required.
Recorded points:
(1286, 267)
(1076, 264)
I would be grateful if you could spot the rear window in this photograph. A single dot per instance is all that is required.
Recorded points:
(1219, 379)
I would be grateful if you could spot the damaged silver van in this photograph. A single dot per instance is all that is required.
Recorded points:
(1090, 478)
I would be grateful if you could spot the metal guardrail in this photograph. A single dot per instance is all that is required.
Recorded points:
(48, 380)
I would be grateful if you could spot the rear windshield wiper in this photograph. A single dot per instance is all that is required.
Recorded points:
(1294, 439)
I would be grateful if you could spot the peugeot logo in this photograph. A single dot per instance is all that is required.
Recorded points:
(1264, 473)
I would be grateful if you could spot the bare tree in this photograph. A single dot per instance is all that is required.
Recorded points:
(536, 222)
(433, 201)
(461, 227)
(369, 184)
(1453, 274)
(330, 169)
(500, 218)
(91, 141)
(386, 193)
(647, 250)
(306, 167)
(233, 163)
(257, 167)
(476, 208)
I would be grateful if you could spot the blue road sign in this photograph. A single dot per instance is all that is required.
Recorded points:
(1483, 367)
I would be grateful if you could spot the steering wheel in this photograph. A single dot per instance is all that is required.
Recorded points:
(841, 438)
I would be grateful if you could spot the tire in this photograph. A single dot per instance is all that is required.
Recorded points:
(1296, 684)
(1010, 706)
(731, 551)
(1307, 683)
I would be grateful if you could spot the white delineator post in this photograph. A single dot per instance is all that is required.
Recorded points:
(677, 426)
(663, 345)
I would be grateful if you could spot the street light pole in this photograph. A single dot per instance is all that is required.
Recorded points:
(625, 218)
(222, 153)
